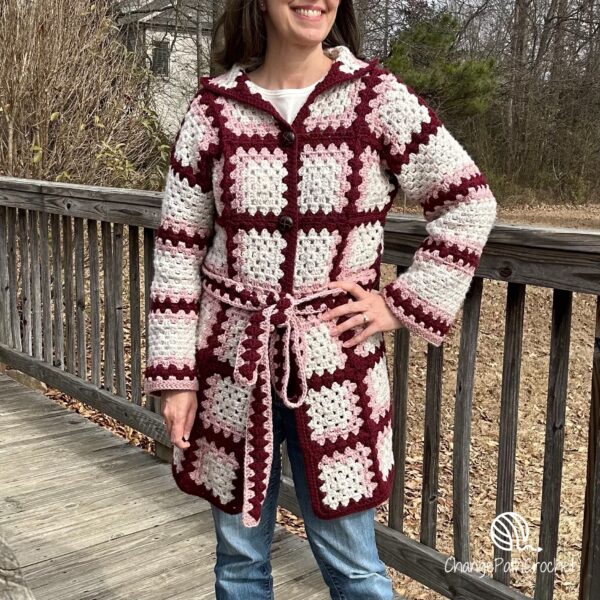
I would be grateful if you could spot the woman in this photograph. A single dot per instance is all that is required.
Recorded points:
(266, 318)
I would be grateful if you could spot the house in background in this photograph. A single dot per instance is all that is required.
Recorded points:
(164, 34)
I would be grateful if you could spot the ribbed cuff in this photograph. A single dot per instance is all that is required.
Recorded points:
(152, 385)
(409, 320)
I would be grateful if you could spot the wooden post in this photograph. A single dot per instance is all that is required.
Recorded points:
(590, 569)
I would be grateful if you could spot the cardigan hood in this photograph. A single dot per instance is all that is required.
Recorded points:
(258, 216)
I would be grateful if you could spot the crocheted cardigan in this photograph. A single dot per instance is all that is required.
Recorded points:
(258, 214)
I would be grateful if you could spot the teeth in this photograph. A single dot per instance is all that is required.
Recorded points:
(308, 13)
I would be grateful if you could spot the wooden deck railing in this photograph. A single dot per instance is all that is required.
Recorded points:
(58, 241)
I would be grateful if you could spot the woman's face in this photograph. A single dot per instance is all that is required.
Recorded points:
(300, 21)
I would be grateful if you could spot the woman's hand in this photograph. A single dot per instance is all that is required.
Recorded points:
(380, 316)
(179, 409)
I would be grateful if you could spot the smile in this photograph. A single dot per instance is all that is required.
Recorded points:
(308, 13)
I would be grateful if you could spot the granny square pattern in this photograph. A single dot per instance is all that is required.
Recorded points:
(258, 216)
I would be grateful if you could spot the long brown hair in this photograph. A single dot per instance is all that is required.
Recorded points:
(240, 34)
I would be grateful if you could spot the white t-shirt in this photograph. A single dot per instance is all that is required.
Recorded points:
(288, 101)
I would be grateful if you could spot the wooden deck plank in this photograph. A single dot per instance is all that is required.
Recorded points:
(37, 466)
(28, 424)
(37, 540)
(91, 517)
(47, 433)
(117, 568)
(33, 495)
(22, 407)
(89, 501)
(305, 586)
(72, 441)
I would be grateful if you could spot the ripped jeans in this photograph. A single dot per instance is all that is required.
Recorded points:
(344, 547)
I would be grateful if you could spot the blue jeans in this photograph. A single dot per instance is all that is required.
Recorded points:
(344, 547)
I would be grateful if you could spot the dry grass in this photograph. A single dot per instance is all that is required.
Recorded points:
(74, 105)
(486, 411)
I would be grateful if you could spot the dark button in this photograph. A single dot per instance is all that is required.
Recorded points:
(285, 222)
(288, 136)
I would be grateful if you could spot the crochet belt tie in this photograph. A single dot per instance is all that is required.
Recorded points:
(253, 368)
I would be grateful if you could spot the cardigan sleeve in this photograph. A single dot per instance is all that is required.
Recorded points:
(432, 168)
(181, 243)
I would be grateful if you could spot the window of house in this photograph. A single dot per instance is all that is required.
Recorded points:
(160, 57)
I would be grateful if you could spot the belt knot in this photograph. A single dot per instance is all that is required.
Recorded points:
(269, 310)
(282, 312)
